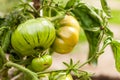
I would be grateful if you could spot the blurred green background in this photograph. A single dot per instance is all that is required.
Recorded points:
(115, 17)
(7, 5)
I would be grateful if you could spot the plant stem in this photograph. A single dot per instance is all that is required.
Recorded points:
(36, 4)
(89, 60)
(23, 69)
(51, 71)
(2, 55)
(36, 12)
(97, 53)
(58, 17)
(106, 43)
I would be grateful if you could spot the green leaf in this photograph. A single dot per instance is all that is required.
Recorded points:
(61, 3)
(116, 52)
(106, 8)
(106, 42)
(1, 20)
(87, 17)
(94, 39)
(70, 4)
(6, 40)
(66, 64)
(71, 62)
(76, 64)
(108, 32)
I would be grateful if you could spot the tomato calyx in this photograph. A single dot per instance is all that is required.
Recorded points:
(39, 49)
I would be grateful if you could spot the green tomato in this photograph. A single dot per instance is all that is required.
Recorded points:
(33, 36)
(66, 77)
(41, 63)
(61, 76)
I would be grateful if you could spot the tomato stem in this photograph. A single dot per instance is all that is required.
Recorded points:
(35, 11)
(62, 70)
(58, 17)
(36, 4)
(23, 69)
(2, 55)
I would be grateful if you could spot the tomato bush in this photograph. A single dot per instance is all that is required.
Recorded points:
(34, 30)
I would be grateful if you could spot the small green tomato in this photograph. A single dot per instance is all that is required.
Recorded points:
(41, 63)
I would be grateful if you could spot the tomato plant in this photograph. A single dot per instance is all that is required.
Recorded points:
(34, 30)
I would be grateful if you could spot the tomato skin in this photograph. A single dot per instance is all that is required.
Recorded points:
(69, 20)
(62, 76)
(69, 77)
(67, 35)
(32, 36)
(66, 77)
(41, 63)
(66, 40)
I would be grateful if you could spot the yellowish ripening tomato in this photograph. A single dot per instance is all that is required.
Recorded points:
(67, 35)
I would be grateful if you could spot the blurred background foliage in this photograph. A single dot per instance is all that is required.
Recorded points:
(115, 17)
(7, 5)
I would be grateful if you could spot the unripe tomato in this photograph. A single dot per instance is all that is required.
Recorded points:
(41, 63)
(62, 76)
(66, 77)
(32, 36)
(67, 35)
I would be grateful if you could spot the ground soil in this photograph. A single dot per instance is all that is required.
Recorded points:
(101, 77)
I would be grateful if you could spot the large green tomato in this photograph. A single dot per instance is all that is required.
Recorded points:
(41, 63)
(33, 36)
(67, 35)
